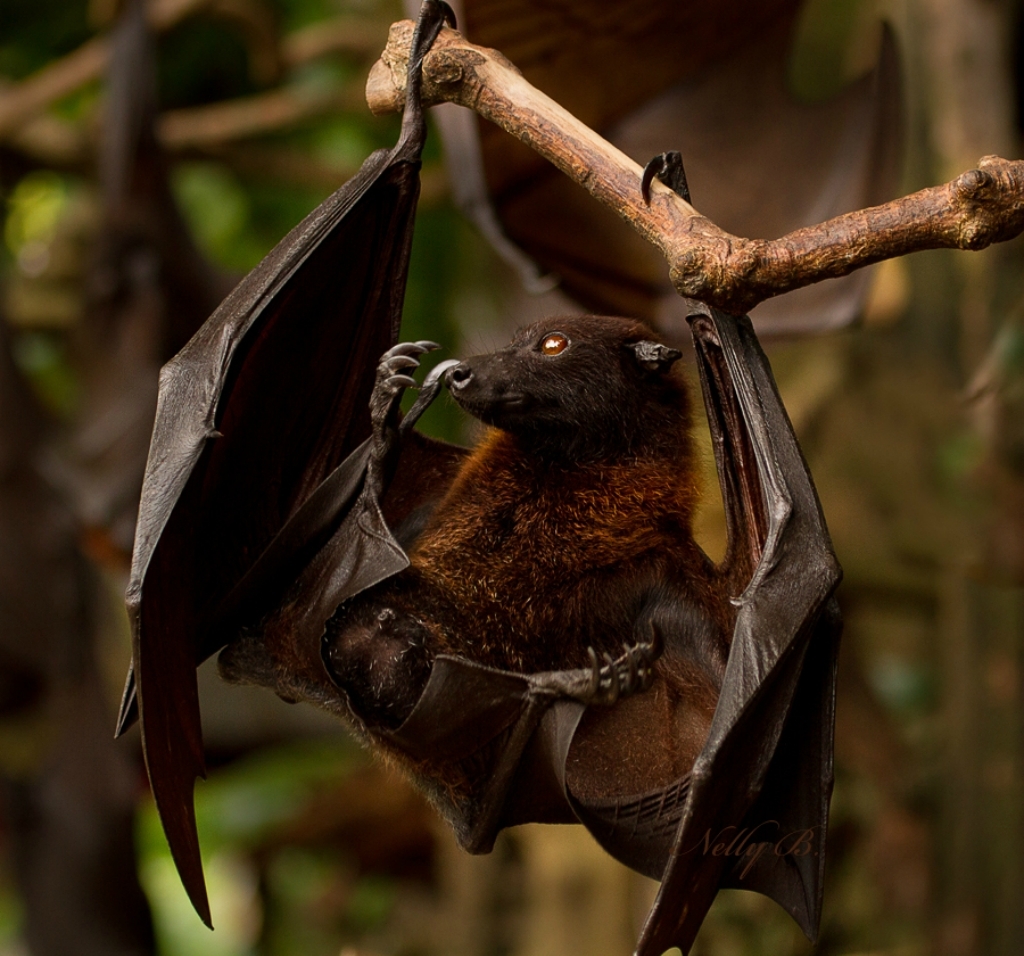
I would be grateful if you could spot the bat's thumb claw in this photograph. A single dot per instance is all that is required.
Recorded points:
(438, 372)
(428, 392)
(612, 671)
(595, 674)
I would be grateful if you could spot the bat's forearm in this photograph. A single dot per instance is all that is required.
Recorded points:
(978, 208)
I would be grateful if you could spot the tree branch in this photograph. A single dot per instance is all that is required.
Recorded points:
(981, 206)
(249, 116)
(58, 79)
(22, 103)
(341, 35)
(65, 145)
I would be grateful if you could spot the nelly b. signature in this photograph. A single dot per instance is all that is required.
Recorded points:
(751, 843)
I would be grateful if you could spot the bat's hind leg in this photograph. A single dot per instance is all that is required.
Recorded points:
(381, 657)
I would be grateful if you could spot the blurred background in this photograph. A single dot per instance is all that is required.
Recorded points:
(151, 154)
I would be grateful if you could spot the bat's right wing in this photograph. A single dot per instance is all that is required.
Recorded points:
(754, 810)
(260, 408)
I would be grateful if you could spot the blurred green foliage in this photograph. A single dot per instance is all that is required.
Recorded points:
(202, 61)
(34, 210)
(240, 810)
(827, 48)
(33, 32)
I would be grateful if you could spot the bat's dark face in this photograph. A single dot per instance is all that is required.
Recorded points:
(576, 387)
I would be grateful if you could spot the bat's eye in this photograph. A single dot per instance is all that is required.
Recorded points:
(554, 343)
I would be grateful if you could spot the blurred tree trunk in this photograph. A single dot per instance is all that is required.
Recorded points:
(68, 791)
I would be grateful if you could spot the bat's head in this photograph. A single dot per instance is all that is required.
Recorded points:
(578, 387)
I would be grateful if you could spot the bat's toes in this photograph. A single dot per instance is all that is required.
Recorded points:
(594, 687)
(391, 377)
(603, 686)
(634, 667)
(646, 654)
(631, 673)
(614, 680)
(402, 358)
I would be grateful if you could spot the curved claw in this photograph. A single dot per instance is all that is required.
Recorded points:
(650, 171)
(449, 15)
(428, 392)
(438, 372)
(633, 672)
(402, 381)
(409, 349)
(399, 362)
(595, 674)
(667, 168)
(615, 685)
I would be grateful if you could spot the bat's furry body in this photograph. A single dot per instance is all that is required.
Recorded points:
(568, 528)
(539, 551)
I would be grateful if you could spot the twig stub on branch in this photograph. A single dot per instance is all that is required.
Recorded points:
(978, 208)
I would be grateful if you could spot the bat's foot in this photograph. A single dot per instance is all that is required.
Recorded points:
(608, 679)
(392, 381)
(668, 169)
(630, 673)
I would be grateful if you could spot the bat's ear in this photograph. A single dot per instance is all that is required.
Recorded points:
(653, 356)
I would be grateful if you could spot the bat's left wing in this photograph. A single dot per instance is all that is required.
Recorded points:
(265, 403)
(755, 806)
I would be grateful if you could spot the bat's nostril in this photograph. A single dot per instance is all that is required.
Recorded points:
(459, 377)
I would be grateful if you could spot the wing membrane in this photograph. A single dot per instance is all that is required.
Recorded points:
(767, 762)
(264, 402)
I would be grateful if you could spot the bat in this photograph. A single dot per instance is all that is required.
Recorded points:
(334, 556)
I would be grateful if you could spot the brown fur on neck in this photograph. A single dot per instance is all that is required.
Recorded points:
(529, 548)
